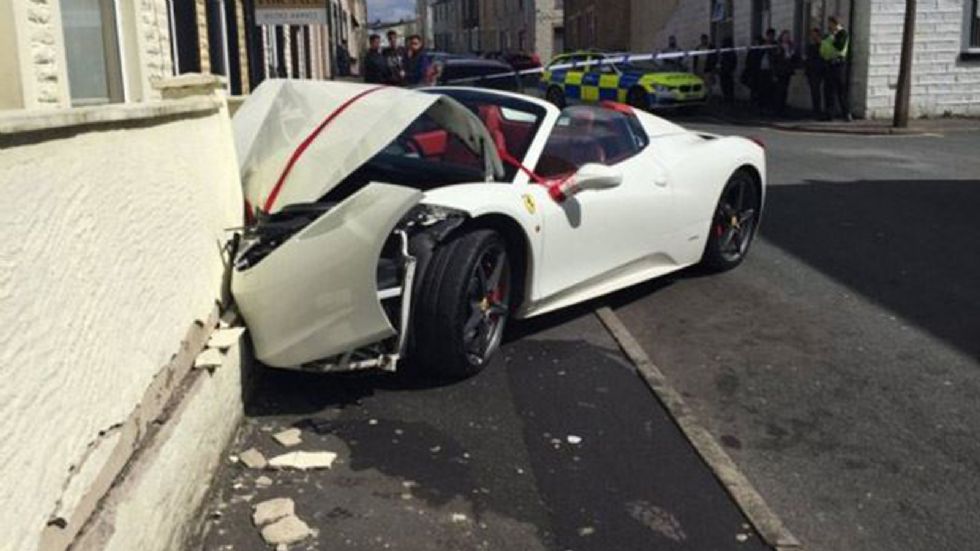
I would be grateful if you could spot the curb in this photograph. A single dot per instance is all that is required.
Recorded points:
(746, 497)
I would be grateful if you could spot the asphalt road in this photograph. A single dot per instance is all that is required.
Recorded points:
(558, 445)
(840, 365)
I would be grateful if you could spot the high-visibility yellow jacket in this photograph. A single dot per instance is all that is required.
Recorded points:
(834, 46)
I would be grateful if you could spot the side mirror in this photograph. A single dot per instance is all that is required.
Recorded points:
(596, 176)
(592, 176)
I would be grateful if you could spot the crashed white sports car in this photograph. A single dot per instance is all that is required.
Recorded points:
(385, 222)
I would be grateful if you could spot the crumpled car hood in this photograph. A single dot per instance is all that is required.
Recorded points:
(297, 139)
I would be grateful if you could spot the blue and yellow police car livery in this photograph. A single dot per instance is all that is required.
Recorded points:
(584, 76)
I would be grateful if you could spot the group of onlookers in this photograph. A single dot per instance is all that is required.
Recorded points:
(770, 64)
(395, 65)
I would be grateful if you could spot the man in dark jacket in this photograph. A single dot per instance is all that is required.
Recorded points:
(415, 63)
(815, 70)
(394, 58)
(375, 67)
(726, 70)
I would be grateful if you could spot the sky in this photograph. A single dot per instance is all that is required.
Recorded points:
(390, 10)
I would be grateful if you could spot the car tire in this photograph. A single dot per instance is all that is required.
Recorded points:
(556, 96)
(463, 306)
(637, 99)
(734, 224)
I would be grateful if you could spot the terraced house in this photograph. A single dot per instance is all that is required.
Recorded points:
(946, 79)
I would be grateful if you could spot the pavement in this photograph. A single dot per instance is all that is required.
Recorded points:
(840, 365)
(798, 120)
(558, 445)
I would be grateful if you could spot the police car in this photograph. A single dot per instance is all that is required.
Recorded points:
(595, 76)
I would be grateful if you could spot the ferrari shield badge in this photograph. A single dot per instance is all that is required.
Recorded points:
(529, 204)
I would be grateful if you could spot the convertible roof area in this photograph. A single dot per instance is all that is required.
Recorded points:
(297, 139)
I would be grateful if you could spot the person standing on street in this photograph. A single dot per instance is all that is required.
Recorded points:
(415, 63)
(700, 61)
(375, 66)
(343, 59)
(834, 50)
(726, 70)
(785, 60)
(394, 55)
(815, 71)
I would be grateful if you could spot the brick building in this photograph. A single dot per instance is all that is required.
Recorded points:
(946, 72)
(463, 26)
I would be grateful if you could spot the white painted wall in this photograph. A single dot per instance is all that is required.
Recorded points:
(941, 82)
(109, 250)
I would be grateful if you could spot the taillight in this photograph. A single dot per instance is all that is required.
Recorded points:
(758, 141)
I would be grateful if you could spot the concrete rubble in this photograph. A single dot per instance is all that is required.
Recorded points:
(273, 510)
(224, 338)
(253, 459)
(303, 461)
(286, 530)
(209, 358)
(288, 438)
(278, 522)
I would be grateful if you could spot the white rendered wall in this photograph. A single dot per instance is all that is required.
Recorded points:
(109, 250)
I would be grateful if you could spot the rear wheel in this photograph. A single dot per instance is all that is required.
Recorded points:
(556, 96)
(464, 305)
(637, 98)
(734, 224)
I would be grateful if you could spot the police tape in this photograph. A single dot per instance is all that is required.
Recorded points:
(610, 59)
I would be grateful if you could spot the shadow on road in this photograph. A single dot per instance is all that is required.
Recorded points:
(911, 246)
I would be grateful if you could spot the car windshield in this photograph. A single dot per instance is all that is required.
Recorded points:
(498, 77)
(653, 66)
(513, 123)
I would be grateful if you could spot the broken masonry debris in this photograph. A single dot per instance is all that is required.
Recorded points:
(272, 510)
(303, 461)
(253, 459)
(288, 438)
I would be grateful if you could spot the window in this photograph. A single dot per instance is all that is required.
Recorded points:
(973, 26)
(722, 23)
(94, 70)
(761, 17)
(588, 134)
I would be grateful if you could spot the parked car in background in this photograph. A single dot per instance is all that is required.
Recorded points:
(448, 70)
(520, 61)
(385, 222)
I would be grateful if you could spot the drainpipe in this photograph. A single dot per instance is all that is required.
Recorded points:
(850, 51)
(329, 41)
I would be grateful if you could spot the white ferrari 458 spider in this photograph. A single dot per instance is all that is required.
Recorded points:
(384, 222)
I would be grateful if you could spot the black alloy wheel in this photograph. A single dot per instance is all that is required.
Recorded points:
(637, 98)
(464, 305)
(734, 224)
(556, 96)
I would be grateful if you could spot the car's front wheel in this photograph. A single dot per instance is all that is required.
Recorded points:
(734, 224)
(556, 96)
(464, 305)
(637, 98)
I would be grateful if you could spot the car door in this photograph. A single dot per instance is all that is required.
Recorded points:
(596, 240)
(572, 83)
(600, 81)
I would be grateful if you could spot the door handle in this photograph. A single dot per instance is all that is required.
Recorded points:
(660, 182)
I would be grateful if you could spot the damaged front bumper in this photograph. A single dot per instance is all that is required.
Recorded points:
(314, 297)
(332, 287)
